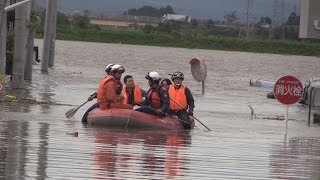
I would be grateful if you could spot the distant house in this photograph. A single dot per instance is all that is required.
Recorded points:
(176, 17)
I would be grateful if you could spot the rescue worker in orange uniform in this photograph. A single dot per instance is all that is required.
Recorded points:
(107, 96)
(131, 92)
(181, 100)
(94, 95)
(157, 101)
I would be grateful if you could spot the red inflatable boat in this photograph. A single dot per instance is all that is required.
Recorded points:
(124, 118)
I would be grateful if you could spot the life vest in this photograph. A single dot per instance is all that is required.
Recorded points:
(136, 94)
(154, 98)
(179, 95)
(101, 94)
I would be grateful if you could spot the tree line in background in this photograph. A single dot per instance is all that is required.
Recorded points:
(150, 11)
(229, 27)
(225, 34)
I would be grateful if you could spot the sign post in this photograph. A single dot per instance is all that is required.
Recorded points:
(288, 90)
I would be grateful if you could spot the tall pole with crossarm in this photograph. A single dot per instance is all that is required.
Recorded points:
(19, 50)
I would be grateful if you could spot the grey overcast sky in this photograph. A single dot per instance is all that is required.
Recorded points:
(204, 9)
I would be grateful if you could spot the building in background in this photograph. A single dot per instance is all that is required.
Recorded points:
(125, 21)
(310, 19)
(176, 17)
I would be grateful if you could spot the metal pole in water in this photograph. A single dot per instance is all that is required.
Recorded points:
(203, 87)
(53, 33)
(286, 119)
(47, 38)
(19, 47)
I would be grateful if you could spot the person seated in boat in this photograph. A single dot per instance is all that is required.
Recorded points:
(181, 100)
(132, 93)
(94, 95)
(107, 96)
(157, 101)
(165, 83)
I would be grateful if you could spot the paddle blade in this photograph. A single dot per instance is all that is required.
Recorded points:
(71, 112)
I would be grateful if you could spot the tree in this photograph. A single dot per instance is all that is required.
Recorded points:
(82, 21)
(86, 12)
(194, 22)
(209, 23)
(150, 11)
(232, 17)
(293, 19)
(263, 27)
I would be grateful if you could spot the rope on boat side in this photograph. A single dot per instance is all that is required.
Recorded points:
(129, 119)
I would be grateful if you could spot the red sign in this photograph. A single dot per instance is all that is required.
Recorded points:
(288, 90)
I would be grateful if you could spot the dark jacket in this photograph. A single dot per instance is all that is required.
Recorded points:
(163, 93)
(190, 99)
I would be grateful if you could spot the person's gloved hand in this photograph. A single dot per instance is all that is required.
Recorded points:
(190, 112)
(90, 98)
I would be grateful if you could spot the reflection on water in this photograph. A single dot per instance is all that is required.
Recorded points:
(295, 162)
(152, 154)
(43, 150)
(16, 148)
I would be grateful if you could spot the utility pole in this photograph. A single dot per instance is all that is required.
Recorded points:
(30, 43)
(283, 20)
(3, 38)
(278, 17)
(19, 47)
(2, 5)
(249, 15)
(47, 37)
(53, 33)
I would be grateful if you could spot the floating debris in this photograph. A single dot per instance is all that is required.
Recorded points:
(252, 113)
(278, 118)
(10, 98)
(75, 134)
(304, 141)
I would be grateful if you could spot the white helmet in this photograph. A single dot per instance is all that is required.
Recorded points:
(154, 76)
(108, 68)
(117, 67)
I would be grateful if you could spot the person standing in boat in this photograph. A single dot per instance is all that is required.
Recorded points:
(157, 101)
(181, 100)
(107, 96)
(94, 96)
(131, 92)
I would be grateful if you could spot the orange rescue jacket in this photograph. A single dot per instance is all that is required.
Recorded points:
(137, 94)
(154, 98)
(102, 94)
(179, 95)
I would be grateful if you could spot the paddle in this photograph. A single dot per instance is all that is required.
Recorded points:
(192, 115)
(73, 111)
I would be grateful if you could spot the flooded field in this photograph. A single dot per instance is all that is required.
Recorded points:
(37, 141)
